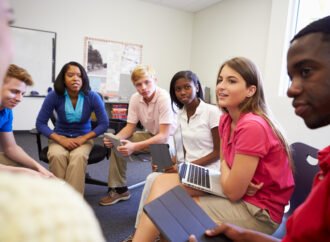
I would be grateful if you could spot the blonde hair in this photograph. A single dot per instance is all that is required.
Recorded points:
(20, 74)
(41, 210)
(141, 71)
(255, 104)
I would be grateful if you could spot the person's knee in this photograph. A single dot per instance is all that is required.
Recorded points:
(57, 156)
(152, 176)
(165, 182)
(78, 159)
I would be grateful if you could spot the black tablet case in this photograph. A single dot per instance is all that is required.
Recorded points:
(161, 157)
(177, 216)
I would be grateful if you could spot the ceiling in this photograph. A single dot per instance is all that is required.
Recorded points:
(185, 5)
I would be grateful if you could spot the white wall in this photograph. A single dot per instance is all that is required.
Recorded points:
(281, 105)
(173, 40)
(228, 29)
(256, 29)
(164, 33)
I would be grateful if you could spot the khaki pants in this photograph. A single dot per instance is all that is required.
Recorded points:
(70, 165)
(4, 160)
(239, 213)
(118, 166)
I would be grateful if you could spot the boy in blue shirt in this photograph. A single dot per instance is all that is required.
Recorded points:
(13, 158)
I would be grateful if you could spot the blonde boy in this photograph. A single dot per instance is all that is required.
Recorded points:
(151, 106)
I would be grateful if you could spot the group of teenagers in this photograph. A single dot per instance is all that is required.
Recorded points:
(238, 136)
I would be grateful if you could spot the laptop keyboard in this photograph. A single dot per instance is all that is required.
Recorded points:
(199, 176)
(183, 170)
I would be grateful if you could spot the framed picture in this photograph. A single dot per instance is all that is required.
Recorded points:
(109, 65)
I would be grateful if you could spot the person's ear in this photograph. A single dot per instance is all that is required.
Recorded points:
(251, 90)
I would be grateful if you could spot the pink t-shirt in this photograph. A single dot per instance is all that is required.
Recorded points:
(254, 136)
(157, 111)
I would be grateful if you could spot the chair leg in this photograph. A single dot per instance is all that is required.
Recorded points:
(90, 180)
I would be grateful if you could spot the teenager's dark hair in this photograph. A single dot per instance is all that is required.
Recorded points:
(319, 26)
(189, 75)
(59, 84)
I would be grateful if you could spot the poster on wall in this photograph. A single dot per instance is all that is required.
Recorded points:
(109, 65)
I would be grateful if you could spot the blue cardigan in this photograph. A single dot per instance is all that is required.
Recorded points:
(55, 102)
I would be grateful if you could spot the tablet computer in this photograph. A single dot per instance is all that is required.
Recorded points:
(177, 216)
(160, 156)
(116, 142)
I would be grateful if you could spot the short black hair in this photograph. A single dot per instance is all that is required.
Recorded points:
(59, 84)
(189, 75)
(319, 26)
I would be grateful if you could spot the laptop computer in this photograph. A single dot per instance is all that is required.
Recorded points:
(192, 175)
(177, 216)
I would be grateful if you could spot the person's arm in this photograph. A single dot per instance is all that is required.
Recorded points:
(237, 234)
(214, 155)
(45, 113)
(102, 118)
(72, 143)
(16, 153)
(236, 180)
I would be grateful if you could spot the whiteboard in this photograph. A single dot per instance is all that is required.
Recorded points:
(35, 52)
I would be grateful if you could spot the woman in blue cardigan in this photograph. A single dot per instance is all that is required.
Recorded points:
(71, 141)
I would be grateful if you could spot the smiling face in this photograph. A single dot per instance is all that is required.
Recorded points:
(231, 89)
(12, 92)
(73, 80)
(308, 63)
(185, 91)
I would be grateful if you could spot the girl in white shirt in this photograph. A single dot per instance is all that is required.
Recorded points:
(196, 138)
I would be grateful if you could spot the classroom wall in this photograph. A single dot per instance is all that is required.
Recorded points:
(164, 33)
(175, 40)
(256, 29)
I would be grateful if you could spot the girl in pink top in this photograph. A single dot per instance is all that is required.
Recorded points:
(256, 175)
(253, 150)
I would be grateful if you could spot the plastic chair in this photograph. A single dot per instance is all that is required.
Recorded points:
(304, 173)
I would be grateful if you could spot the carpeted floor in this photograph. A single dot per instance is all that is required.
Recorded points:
(117, 221)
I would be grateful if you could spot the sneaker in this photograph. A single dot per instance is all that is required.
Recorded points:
(114, 197)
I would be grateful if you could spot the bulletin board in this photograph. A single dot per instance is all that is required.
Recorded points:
(35, 51)
(109, 65)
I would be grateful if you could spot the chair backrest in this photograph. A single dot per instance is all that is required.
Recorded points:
(304, 172)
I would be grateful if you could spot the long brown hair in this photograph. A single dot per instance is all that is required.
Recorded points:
(256, 103)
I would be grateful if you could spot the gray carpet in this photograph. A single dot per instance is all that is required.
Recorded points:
(117, 221)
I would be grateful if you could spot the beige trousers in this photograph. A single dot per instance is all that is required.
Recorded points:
(239, 213)
(70, 165)
(118, 166)
(4, 160)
